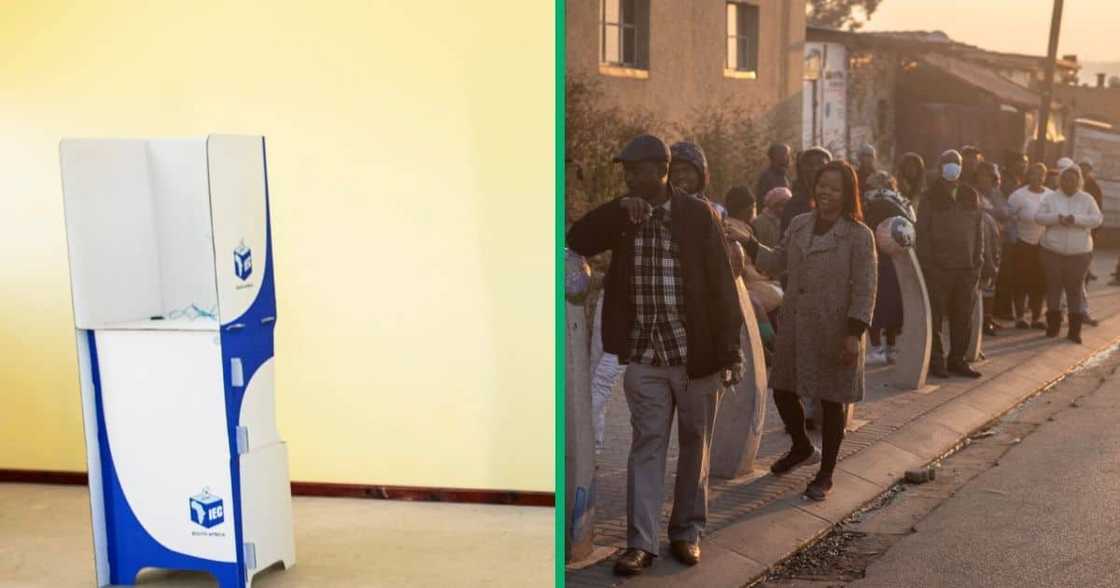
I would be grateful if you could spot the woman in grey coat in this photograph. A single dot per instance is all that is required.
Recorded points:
(830, 258)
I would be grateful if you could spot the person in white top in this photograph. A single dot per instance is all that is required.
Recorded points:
(606, 375)
(1028, 282)
(1069, 215)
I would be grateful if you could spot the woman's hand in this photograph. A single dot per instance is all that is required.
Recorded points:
(736, 230)
(849, 351)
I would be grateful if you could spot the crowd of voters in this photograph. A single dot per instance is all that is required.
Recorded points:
(808, 243)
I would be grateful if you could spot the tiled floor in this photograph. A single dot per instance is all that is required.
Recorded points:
(45, 541)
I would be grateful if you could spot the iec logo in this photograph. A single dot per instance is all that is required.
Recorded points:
(206, 509)
(242, 261)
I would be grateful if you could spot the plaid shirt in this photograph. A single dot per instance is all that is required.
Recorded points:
(657, 290)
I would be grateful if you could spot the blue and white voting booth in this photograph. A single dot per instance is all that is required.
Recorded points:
(174, 305)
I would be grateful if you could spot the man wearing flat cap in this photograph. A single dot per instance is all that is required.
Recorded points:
(671, 313)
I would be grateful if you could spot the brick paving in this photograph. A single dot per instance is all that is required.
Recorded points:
(884, 410)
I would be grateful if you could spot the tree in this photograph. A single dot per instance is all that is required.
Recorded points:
(594, 132)
(839, 14)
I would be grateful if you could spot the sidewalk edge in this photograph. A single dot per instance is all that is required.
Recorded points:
(912, 447)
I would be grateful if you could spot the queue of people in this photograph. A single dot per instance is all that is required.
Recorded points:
(805, 247)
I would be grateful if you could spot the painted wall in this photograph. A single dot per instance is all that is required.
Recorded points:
(688, 50)
(412, 209)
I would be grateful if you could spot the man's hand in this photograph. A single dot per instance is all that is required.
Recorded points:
(638, 209)
(733, 375)
(849, 352)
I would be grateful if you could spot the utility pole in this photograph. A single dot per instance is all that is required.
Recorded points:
(1048, 83)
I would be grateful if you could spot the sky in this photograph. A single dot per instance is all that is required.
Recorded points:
(1089, 27)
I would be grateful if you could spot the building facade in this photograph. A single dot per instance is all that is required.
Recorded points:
(922, 92)
(672, 58)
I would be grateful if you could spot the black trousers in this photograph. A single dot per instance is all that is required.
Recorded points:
(832, 426)
(1004, 285)
(1028, 284)
(952, 295)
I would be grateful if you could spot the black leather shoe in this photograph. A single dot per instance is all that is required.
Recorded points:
(937, 370)
(686, 552)
(1088, 320)
(963, 369)
(632, 562)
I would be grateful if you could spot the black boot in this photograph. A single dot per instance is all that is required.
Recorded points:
(793, 417)
(1053, 323)
(1074, 328)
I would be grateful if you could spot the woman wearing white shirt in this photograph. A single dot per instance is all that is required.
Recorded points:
(1027, 282)
(1069, 215)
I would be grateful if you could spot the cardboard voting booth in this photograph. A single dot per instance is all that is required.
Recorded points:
(174, 308)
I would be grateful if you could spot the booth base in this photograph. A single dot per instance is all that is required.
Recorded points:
(266, 509)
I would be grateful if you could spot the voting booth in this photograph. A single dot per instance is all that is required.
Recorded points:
(174, 309)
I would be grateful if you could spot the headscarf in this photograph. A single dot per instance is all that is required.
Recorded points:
(912, 191)
(777, 196)
(692, 153)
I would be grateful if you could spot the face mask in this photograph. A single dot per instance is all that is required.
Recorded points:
(951, 172)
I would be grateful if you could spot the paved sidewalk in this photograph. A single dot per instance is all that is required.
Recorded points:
(885, 414)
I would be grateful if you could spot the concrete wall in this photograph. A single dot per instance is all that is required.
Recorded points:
(411, 174)
(687, 55)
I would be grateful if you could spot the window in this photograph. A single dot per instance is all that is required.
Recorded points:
(742, 39)
(625, 33)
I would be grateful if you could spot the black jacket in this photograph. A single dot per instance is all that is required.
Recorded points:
(801, 203)
(1094, 190)
(713, 318)
(950, 232)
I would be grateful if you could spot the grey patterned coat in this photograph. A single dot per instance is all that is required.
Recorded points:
(832, 278)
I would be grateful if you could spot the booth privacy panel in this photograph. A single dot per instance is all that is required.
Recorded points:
(138, 229)
(110, 229)
(238, 187)
(167, 229)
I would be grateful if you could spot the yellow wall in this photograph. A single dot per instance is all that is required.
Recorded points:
(411, 173)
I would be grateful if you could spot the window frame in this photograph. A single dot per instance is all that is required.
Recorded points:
(633, 53)
(749, 14)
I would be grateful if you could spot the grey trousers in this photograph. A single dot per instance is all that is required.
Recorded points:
(1065, 273)
(653, 393)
